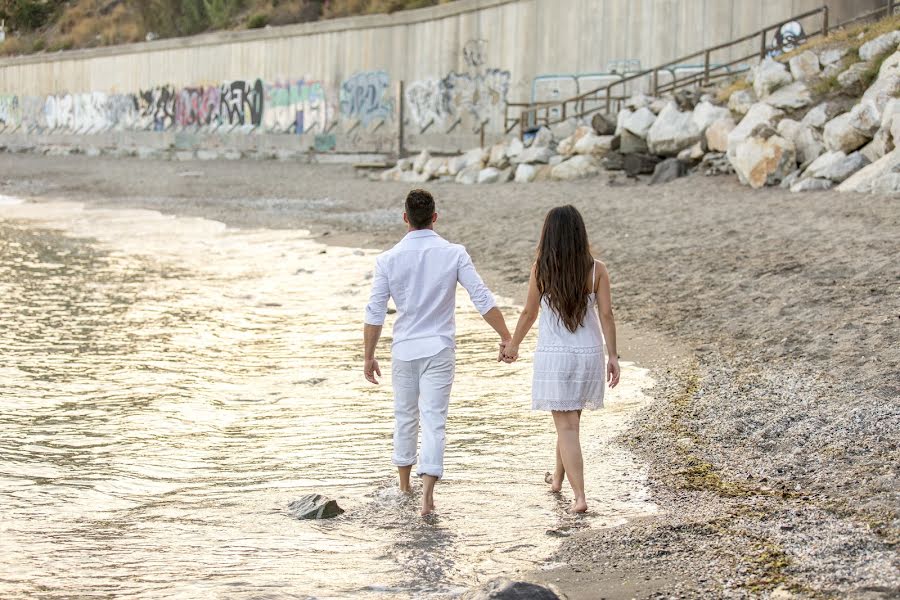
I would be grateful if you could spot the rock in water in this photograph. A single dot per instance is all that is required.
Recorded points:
(506, 589)
(314, 506)
(668, 170)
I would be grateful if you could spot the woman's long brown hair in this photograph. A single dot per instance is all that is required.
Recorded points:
(563, 263)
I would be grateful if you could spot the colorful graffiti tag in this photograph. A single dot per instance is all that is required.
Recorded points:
(365, 96)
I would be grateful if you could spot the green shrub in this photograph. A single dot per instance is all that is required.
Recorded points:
(258, 21)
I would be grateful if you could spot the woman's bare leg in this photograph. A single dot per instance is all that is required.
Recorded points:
(555, 479)
(567, 431)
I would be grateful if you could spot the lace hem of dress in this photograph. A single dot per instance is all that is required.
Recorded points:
(541, 404)
(571, 349)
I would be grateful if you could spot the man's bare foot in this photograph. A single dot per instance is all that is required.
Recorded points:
(427, 508)
(579, 505)
(555, 486)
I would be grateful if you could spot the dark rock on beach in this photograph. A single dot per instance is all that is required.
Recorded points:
(668, 170)
(506, 589)
(314, 506)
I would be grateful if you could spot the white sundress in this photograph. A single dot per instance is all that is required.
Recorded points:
(569, 367)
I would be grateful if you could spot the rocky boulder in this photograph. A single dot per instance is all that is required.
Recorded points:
(707, 113)
(830, 56)
(741, 101)
(631, 144)
(841, 169)
(497, 156)
(808, 142)
(867, 179)
(575, 168)
(813, 184)
(822, 113)
(434, 166)
(759, 114)
(672, 132)
(841, 135)
(762, 161)
(543, 137)
(534, 154)
(468, 175)
(851, 79)
(668, 170)
(639, 122)
(603, 125)
(314, 506)
(768, 76)
(489, 175)
(880, 45)
(525, 173)
(596, 145)
(515, 147)
(506, 589)
(717, 134)
(566, 147)
(421, 159)
(804, 66)
(792, 96)
(639, 164)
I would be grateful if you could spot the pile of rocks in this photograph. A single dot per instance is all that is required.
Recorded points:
(772, 132)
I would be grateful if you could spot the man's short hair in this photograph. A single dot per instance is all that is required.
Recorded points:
(419, 208)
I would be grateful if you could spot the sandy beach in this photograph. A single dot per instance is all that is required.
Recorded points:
(770, 320)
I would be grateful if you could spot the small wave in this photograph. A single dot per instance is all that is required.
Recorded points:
(8, 200)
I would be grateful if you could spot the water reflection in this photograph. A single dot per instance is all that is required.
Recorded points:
(169, 385)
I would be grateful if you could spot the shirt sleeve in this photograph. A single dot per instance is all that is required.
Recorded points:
(481, 296)
(376, 309)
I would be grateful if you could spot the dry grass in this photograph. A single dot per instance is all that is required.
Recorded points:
(851, 37)
(345, 8)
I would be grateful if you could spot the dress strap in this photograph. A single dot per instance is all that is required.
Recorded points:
(594, 276)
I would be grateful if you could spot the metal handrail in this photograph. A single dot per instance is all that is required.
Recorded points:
(536, 113)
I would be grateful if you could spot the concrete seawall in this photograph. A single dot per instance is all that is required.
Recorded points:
(335, 84)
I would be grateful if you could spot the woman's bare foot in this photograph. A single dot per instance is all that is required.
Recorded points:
(555, 486)
(579, 505)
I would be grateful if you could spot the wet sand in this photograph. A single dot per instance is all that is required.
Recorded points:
(773, 437)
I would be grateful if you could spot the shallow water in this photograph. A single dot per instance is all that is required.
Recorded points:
(168, 385)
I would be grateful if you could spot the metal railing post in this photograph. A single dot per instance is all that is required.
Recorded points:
(825, 20)
(762, 44)
(400, 128)
(655, 81)
(706, 68)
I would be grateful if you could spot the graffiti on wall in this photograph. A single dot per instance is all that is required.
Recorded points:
(299, 106)
(366, 96)
(475, 96)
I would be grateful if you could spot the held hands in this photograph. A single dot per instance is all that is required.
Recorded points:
(509, 352)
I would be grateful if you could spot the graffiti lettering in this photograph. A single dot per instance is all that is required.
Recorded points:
(298, 106)
(364, 97)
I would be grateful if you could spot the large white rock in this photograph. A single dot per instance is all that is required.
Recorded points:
(804, 66)
(489, 175)
(808, 142)
(851, 77)
(468, 175)
(791, 96)
(864, 179)
(889, 183)
(865, 117)
(843, 168)
(543, 137)
(760, 162)
(880, 45)
(672, 132)
(620, 120)
(812, 184)
(639, 122)
(566, 147)
(534, 154)
(525, 173)
(593, 144)
(768, 76)
(840, 135)
(476, 157)
(823, 163)
(759, 114)
(497, 156)
(433, 166)
(392, 174)
(515, 147)
(638, 101)
(421, 159)
(717, 134)
(707, 113)
(890, 118)
(830, 56)
(880, 145)
(741, 101)
(822, 113)
(575, 168)
(563, 129)
(788, 128)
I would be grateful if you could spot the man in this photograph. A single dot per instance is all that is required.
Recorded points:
(420, 273)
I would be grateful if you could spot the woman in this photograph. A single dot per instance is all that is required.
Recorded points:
(570, 290)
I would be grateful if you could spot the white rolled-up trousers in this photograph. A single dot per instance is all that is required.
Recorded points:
(421, 397)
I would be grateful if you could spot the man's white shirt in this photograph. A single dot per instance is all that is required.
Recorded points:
(420, 273)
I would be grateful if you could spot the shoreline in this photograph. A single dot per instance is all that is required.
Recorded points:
(737, 276)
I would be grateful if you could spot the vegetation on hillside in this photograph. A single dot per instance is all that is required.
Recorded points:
(51, 25)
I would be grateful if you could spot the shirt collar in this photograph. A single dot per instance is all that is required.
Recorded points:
(420, 233)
